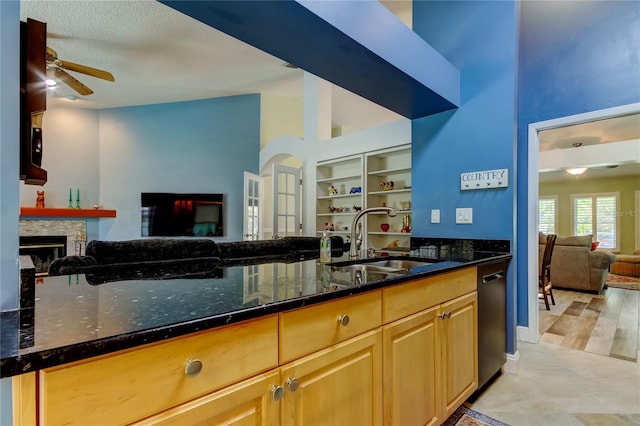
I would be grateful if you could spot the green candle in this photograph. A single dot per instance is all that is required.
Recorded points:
(70, 199)
(78, 199)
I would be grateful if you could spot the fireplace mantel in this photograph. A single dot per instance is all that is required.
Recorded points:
(65, 212)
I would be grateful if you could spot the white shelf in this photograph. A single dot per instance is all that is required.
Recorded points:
(331, 197)
(339, 179)
(387, 172)
(390, 191)
(337, 214)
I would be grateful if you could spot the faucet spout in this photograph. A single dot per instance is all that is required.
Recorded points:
(355, 241)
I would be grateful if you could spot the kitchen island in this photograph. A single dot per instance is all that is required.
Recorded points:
(295, 331)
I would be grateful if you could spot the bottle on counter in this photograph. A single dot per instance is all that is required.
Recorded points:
(325, 247)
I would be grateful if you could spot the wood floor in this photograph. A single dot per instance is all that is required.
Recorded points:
(606, 324)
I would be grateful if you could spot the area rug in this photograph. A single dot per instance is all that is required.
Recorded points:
(465, 416)
(621, 281)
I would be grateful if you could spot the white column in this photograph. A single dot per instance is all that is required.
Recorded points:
(317, 108)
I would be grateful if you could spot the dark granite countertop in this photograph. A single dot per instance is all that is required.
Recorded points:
(75, 318)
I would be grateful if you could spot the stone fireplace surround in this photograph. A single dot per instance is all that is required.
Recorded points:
(74, 230)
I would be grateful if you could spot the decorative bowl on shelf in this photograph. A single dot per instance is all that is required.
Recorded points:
(384, 227)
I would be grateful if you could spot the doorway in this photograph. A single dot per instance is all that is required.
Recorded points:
(530, 333)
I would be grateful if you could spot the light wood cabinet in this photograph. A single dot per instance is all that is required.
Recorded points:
(134, 384)
(430, 357)
(340, 385)
(412, 370)
(247, 403)
(459, 350)
(306, 330)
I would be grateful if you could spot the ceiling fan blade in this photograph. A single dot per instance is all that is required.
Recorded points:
(72, 82)
(94, 72)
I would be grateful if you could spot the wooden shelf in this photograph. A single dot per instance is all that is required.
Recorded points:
(65, 212)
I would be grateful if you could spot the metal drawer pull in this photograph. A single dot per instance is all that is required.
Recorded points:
(192, 367)
(343, 320)
(292, 384)
(492, 277)
(277, 392)
(444, 315)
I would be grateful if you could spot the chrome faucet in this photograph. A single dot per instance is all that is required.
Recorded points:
(356, 240)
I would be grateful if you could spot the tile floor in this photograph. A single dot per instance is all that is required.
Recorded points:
(552, 385)
(557, 385)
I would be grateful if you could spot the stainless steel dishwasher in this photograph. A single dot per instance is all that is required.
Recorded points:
(492, 320)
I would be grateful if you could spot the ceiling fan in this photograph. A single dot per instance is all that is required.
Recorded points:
(58, 67)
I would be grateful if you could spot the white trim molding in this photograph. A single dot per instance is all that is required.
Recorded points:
(532, 199)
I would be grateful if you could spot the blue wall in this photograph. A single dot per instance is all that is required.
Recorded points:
(480, 39)
(198, 146)
(575, 57)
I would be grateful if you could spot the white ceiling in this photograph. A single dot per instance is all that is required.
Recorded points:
(612, 132)
(158, 55)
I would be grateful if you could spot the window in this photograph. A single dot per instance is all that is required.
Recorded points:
(548, 214)
(596, 214)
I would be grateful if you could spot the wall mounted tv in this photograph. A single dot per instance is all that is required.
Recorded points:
(181, 215)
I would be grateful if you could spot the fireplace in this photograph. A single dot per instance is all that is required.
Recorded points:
(43, 250)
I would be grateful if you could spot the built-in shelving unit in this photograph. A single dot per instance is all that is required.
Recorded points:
(366, 171)
(65, 212)
(391, 165)
(335, 211)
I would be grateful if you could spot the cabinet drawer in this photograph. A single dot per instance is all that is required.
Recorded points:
(121, 388)
(246, 403)
(409, 298)
(306, 330)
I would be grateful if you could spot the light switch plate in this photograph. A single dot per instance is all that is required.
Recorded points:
(464, 216)
(435, 215)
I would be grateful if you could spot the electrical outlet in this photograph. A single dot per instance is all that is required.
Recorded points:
(435, 215)
(464, 216)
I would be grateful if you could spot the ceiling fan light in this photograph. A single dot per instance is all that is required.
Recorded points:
(577, 170)
(51, 83)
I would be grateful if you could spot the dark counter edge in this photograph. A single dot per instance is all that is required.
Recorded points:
(21, 364)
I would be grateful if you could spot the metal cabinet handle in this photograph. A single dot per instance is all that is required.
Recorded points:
(444, 315)
(277, 392)
(292, 384)
(492, 277)
(192, 367)
(343, 320)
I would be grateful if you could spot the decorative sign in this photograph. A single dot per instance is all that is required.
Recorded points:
(485, 179)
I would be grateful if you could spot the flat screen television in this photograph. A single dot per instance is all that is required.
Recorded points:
(181, 215)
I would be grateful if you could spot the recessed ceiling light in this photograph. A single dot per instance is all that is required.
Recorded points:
(51, 83)
(72, 98)
(577, 170)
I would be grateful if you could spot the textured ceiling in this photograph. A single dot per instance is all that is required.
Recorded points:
(158, 55)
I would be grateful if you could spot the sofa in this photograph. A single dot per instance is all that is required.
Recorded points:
(628, 265)
(575, 266)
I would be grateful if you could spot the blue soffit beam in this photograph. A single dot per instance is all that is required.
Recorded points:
(357, 44)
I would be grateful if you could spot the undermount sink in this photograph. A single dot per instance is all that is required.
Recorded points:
(398, 264)
(382, 266)
(368, 267)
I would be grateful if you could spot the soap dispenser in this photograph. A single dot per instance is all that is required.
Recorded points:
(325, 247)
